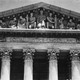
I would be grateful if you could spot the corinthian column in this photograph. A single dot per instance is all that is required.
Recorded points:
(5, 67)
(28, 64)
(75, 64)
(53, 68)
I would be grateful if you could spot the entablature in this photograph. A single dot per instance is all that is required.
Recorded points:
(44, 33)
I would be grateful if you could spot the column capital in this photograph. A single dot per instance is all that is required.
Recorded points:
(28, 53)
(5, 52)
(52, 53)
(75, 54)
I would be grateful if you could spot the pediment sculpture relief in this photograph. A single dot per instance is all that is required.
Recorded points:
(39, 18)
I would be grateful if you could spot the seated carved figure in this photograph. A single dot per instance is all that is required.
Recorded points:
(32, 21)
(78, 25)
(41, 20)
(13, 23)
(2, 24)
(65, 22)
(21, 22)
(61, 24)
(71, 24)
(7, 24)
(50, 23)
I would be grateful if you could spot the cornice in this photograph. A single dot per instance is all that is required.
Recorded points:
(38, 5)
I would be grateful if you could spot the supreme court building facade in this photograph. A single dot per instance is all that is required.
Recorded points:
(39, 42)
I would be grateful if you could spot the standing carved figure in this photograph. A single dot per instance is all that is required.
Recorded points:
(50, 23)
(0, 23)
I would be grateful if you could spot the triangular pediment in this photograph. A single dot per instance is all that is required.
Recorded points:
(40, 5)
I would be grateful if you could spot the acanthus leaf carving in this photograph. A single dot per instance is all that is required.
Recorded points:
(75, 54)
(28, 53)
(52, 53)
(5, 52)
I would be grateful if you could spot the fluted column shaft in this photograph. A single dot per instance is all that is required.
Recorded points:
(28, 65)
(53, 67)
(75, 65)
(5, 67)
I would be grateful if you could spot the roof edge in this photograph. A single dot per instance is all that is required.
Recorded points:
(38, 5)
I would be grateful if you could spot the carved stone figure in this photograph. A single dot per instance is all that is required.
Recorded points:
(0, 23)
(71, 24)
(78, 25)
(21, 22)
(13, 23)
(27, 22)
(51, 22)
(61, 25)
(32, 21)
(41, 20)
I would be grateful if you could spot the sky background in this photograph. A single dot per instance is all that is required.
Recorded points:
(73, 5)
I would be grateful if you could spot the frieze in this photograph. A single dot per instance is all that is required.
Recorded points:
(41, 40)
